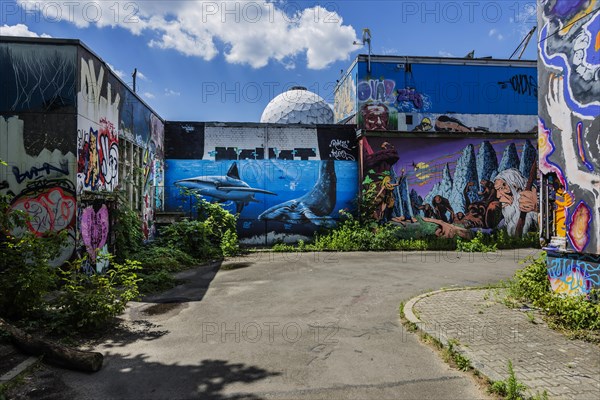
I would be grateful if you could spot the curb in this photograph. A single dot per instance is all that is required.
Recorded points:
(424, 328)
(16, 371)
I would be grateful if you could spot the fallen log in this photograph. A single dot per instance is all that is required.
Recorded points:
(85, 361)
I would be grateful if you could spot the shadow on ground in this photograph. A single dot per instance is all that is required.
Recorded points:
(195, 284)
(136, 378)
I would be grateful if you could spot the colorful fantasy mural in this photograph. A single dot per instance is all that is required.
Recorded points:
(441, 95)
(285, 183)
(458, 186)
(569, 140)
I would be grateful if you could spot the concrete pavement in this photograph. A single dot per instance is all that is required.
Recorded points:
(490, 334)
(287, 326)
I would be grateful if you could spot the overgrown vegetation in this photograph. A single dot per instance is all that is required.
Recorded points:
(179, 246)
(512, 389)
(353, 235)
(575, 315)
(69, 299)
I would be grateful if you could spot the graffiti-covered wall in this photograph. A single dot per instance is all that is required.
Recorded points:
(569, 137)
(444, 96)
(38, 136)
(119, 147)
(284, 181)
(451, 185)
(344, 102)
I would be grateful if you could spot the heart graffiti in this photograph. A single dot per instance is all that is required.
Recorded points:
(94, 229)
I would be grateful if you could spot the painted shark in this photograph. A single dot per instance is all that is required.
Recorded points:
(224, 188)
(314, 207)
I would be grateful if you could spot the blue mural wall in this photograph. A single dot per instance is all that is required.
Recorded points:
(285, 183)
(448, 97)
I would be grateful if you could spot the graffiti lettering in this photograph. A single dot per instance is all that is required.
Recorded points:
(340, 150)
(410, 95)
(34, 171)
(522, 84)
(376, 90)
(571, 276)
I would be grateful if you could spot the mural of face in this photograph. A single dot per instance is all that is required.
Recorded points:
(375, 116)
(503, 192)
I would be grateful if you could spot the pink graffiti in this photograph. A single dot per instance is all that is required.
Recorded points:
(94, 229)
(50, 211)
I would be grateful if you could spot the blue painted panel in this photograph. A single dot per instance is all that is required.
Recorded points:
(450, 89)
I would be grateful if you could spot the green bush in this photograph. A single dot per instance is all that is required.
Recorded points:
(88, 302)
(229, 243)
(156, 258)
(476, 244)
(211, 236)
(128, 232)
(156, 281)
(25, 275)
(573, 313)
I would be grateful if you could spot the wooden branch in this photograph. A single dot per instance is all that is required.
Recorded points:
(85, 361)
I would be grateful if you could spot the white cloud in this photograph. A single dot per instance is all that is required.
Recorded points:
(443, 53)
(170, 92)
(117, 72)
(142, 76)
(148, 95)
(494, 33)
(250, 32)
(19, 30)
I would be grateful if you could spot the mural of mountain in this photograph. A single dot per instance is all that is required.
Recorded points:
(528, 157)
(402, 206)
(487, 161)
(443, 188)
(510, 158)
(465, 172)
(416, 201)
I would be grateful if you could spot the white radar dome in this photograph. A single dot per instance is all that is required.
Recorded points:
(297, 106)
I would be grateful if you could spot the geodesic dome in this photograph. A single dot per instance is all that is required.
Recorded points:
(297, 106)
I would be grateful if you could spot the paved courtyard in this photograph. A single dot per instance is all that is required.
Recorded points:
(283, 326)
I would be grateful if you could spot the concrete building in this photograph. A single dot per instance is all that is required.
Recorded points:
(73, 134)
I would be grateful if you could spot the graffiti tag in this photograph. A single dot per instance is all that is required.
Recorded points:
(35, 171)
(340, 150)
(410, 95)
(521, 84)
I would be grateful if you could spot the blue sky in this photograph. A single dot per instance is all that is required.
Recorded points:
(225, 60)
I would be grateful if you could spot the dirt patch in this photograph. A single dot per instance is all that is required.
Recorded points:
(160, 308)
(41, 384)
(10, 357)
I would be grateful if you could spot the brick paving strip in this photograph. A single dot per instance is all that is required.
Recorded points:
(490, 334)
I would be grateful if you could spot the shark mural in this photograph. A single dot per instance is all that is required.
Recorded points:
(284, 182)
(224, 188)
(314, 207)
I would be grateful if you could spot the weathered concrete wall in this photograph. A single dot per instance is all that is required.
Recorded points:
(38, 136)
